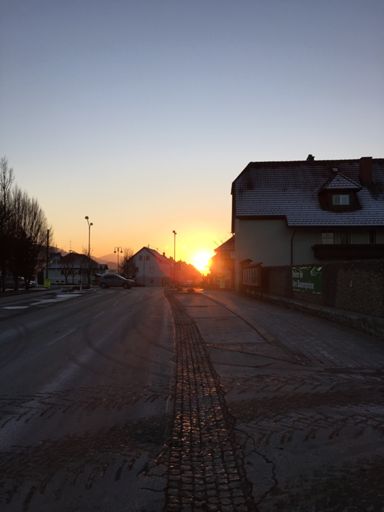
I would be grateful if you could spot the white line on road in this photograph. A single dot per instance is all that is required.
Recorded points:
(68, 333)
(67, 296)
(58, 298)
(15, 307)
(99, 314)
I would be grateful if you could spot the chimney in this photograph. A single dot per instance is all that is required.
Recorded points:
(365, 171)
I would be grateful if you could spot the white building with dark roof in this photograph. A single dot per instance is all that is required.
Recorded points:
(72, 269)
(153, 268)
(308, 212)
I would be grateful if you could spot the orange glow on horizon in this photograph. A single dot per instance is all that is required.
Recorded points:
(201, 260)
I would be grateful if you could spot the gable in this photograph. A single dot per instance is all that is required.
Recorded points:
(151, 254)
(341, 182)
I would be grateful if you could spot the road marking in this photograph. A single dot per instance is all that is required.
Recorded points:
(15, 307)
(58, 298)
(99, 314)
(68, 333)
(67, 296)
(44, 301)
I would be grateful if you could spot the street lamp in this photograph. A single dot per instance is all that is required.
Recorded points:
(89, 249)
(117, 251)
(174, 255)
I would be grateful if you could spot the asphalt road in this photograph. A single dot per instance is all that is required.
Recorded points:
(115, 400)
(84, 391)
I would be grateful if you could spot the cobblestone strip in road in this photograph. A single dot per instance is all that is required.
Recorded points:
(206, 466)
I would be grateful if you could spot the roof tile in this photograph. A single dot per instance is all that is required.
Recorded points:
(290, 189)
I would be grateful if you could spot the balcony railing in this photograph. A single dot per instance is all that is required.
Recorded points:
(348, 251)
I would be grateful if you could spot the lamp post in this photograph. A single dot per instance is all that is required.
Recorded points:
(117, 251)
(90, 224)
(174, 256)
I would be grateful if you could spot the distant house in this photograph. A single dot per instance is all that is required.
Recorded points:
(152, 268)
(72, 268)
(222, 265)
(308, 212)
(155, 269)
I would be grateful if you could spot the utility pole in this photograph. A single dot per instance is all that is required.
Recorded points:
(174, 256)
(90, 224)
(47, 258)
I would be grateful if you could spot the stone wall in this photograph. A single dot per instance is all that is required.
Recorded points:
(356, 286)
(277, 281)
(360, 287)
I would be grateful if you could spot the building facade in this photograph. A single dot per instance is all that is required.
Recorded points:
(222, 266)
(71, 269)
(152, 268)
(308, 212)
(155, 269)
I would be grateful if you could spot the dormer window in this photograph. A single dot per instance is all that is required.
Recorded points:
(341, 199)
(339, 193)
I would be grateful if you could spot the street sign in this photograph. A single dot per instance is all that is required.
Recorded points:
(306, 279)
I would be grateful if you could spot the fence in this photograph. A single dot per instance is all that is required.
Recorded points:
(351, 285)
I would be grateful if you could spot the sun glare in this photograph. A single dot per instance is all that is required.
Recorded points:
(201, 261)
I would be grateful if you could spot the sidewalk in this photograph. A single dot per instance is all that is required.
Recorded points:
(308, 402)
(369, 324)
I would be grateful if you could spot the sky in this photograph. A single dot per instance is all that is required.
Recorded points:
(141, 113)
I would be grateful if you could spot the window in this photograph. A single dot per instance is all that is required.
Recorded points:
(341, 199)
(338, 237)
(327, 238)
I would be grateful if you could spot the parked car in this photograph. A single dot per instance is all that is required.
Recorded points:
(10, 282)
(109, 280)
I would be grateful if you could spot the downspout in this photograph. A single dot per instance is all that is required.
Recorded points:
(292, 240)
(292, 258)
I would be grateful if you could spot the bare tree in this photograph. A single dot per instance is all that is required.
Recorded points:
(85, 267)
(127, 265)
(6, 182)
(29, 228)
(68, 266)
(23, 229)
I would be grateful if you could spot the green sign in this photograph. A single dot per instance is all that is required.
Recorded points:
(306, 279)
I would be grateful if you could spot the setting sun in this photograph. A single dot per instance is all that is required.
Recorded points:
(201, 260)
